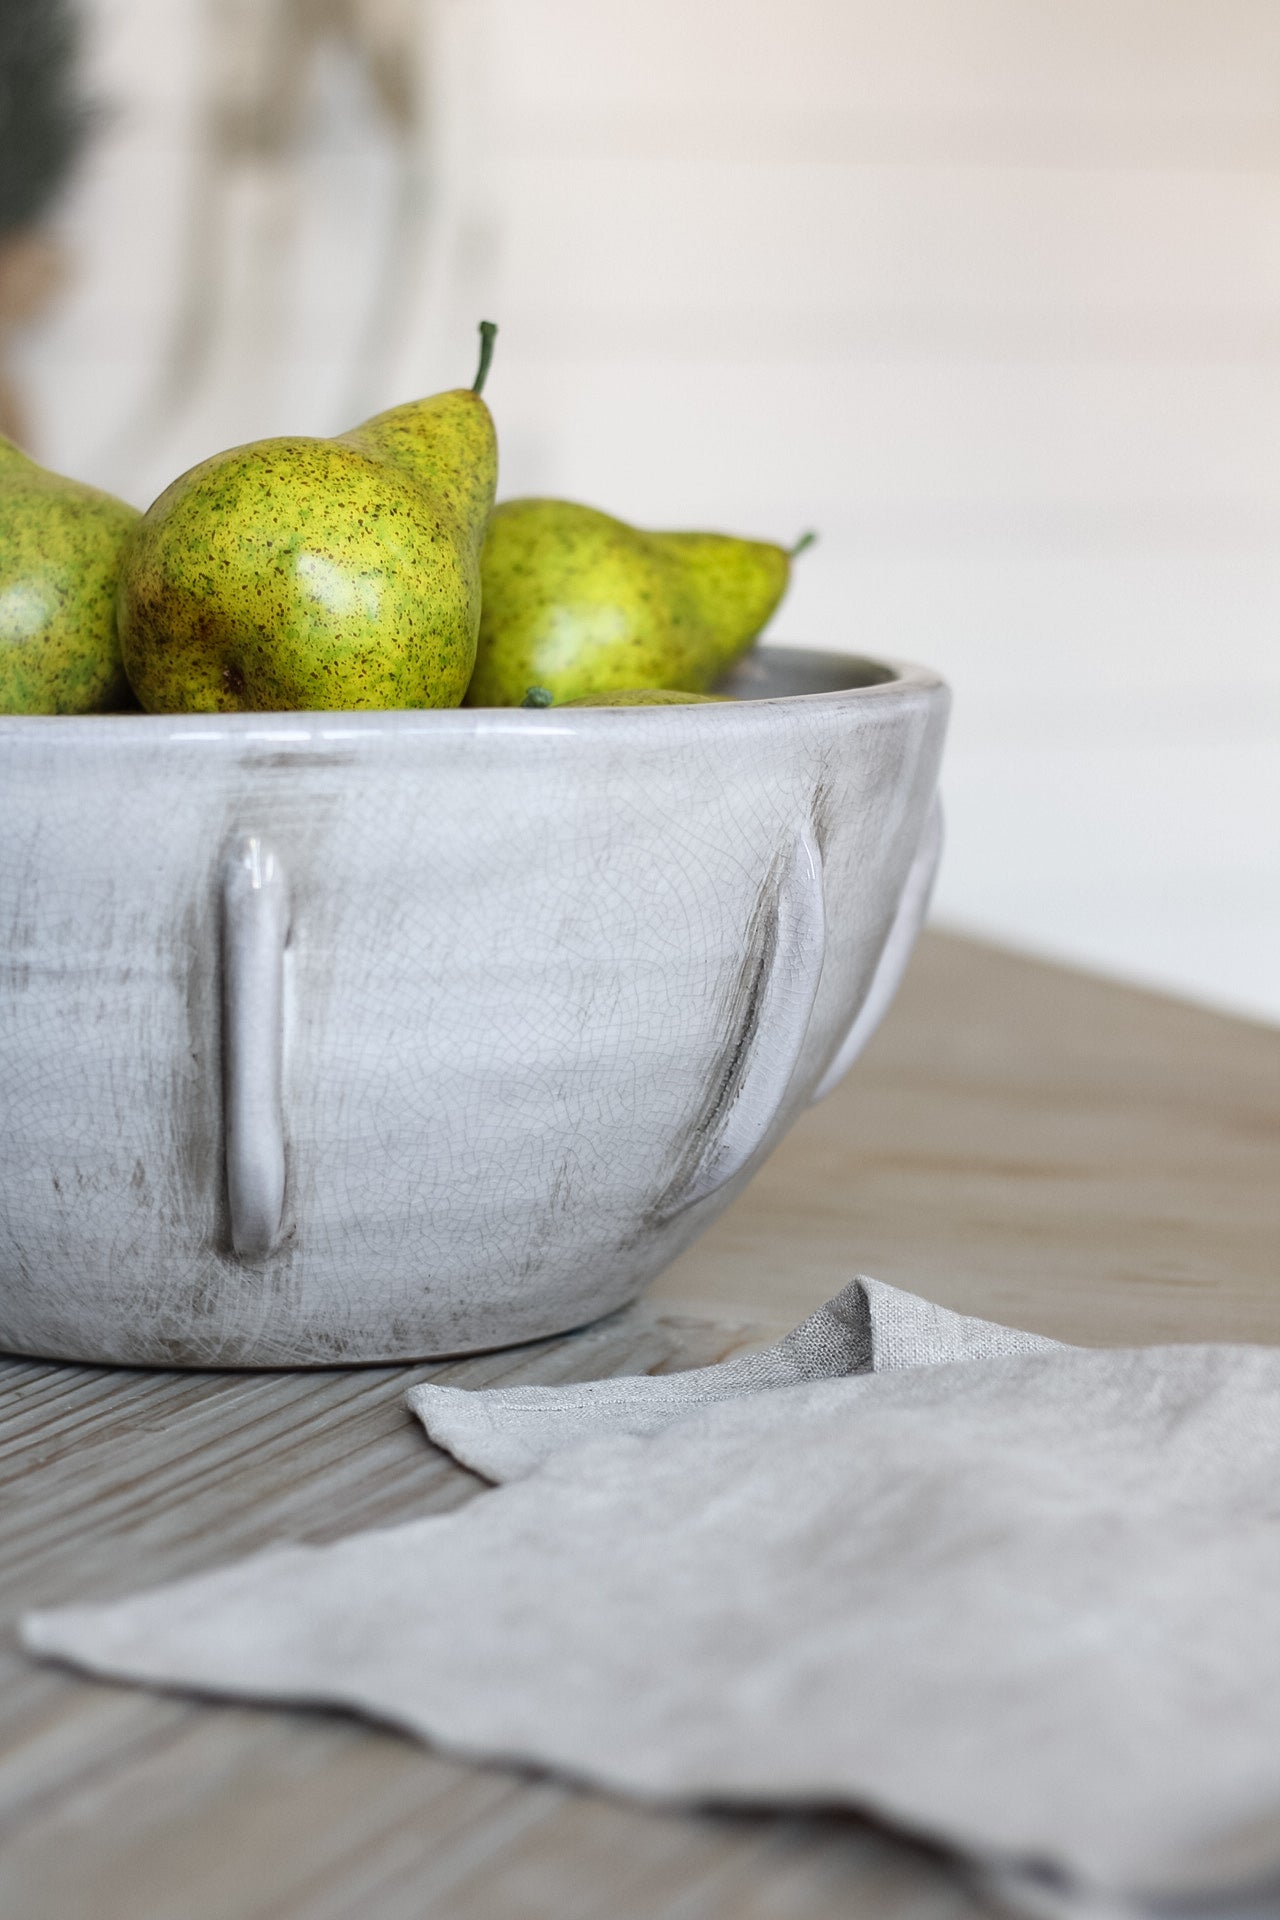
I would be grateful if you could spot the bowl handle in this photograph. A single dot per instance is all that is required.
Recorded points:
(255, 928)
(896, 951)
(779, 989)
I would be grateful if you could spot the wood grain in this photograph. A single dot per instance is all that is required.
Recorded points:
(1019, 1141)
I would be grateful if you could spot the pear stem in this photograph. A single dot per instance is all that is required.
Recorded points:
(805, 540)
(488, 333)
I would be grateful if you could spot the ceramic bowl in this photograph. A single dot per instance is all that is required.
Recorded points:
(374, 1036)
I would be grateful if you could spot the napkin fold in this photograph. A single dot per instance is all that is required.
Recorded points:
(868, 1327)
(1018, 1598)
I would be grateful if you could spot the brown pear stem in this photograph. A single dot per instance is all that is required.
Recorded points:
(805, 540)
(488, 334)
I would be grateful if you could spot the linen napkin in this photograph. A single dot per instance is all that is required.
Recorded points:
(1017, 1598)
(505, 1432)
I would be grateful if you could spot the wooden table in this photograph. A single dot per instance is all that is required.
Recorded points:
(1020, 1141)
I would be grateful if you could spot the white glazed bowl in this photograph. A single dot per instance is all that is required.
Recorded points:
(372, 1036)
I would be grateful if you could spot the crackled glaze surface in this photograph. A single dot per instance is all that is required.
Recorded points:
(553, 984)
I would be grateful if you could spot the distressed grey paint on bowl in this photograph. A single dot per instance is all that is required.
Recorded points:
(514, 1004)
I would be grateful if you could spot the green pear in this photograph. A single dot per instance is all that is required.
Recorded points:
(60, 549)
(330, 574)
(648, 697)
(578, 602)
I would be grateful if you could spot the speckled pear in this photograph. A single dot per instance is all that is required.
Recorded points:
(60, 549)
(581, 603)
(318, 574)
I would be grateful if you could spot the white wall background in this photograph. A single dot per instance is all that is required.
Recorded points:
(988, 291)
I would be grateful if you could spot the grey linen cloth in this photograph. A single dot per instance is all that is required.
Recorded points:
(1017, 1598)
(505, 1432)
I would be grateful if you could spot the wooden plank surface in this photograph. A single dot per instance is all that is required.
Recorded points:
(1020, 1141)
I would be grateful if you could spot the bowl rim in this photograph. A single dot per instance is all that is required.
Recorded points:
(895, 679)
